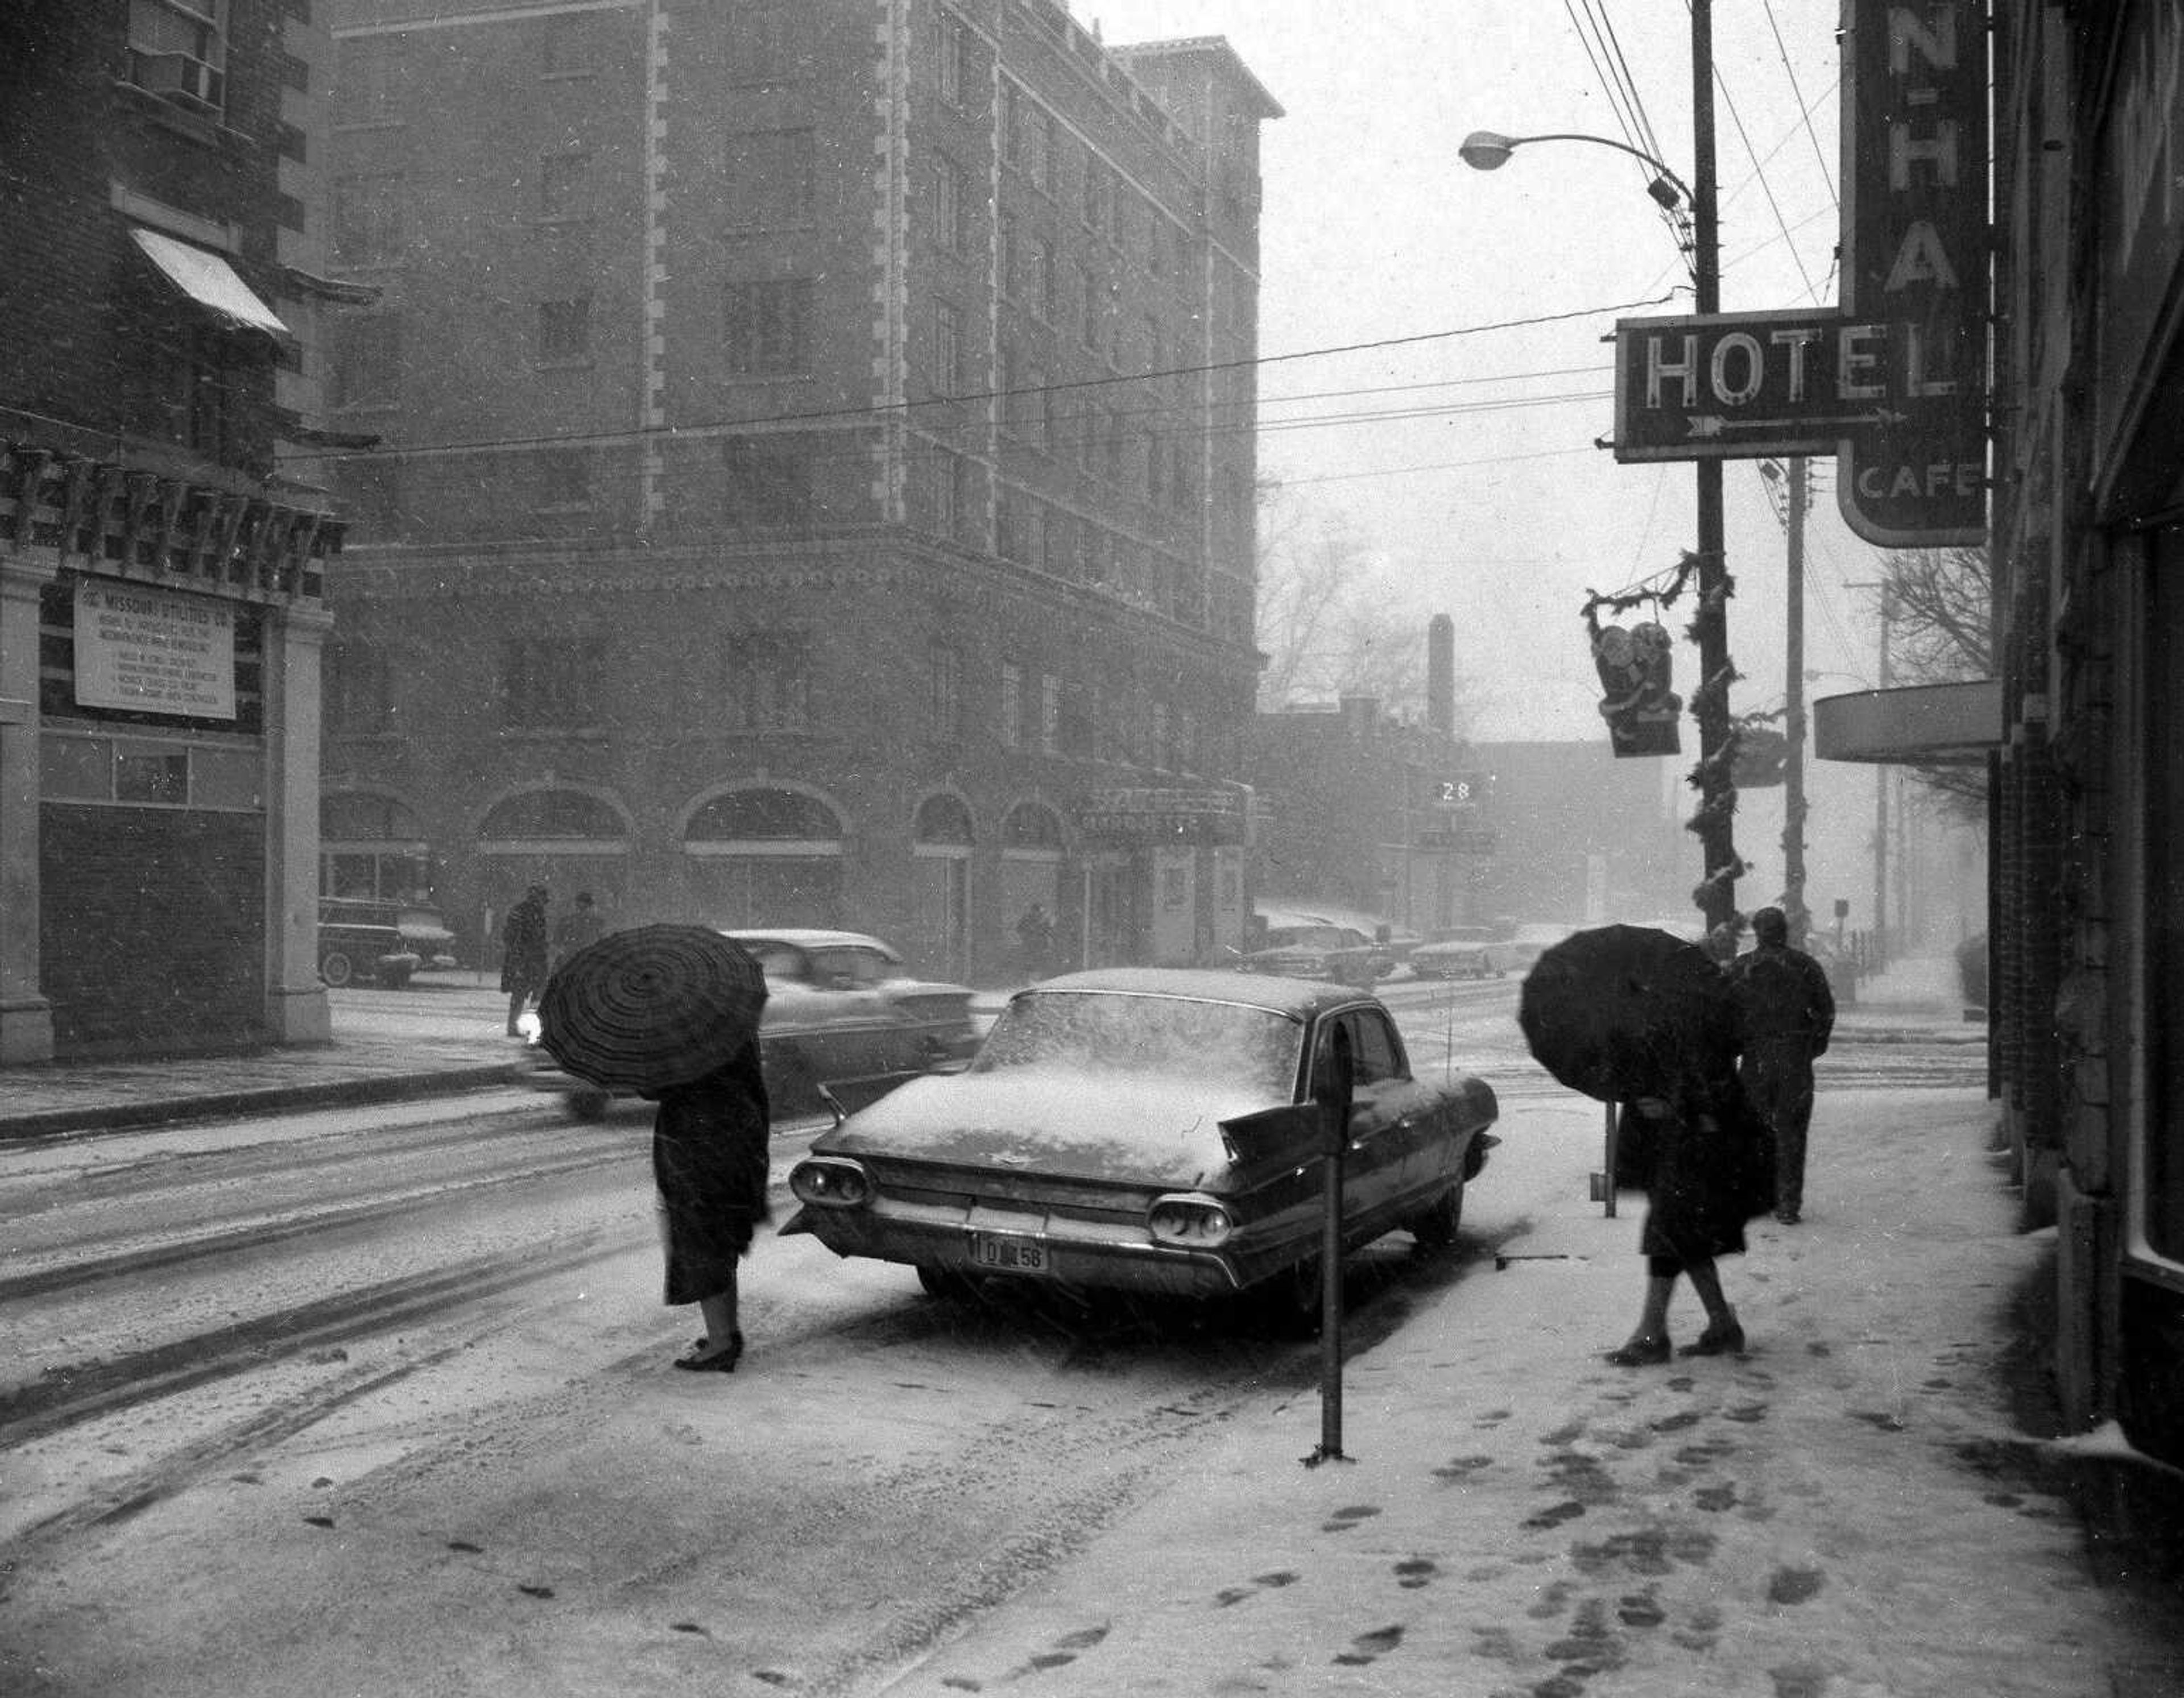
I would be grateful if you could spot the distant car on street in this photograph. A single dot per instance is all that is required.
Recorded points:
(1458, 952)
(839, 1004)
(426, 935)
(359, 939)
(1320, 950)
(1148, 1130)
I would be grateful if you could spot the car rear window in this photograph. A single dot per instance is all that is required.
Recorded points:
(1096, 1032)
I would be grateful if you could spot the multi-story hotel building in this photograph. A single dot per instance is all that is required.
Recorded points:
(816, 477)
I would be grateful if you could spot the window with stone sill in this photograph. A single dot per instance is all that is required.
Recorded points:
(178, 51)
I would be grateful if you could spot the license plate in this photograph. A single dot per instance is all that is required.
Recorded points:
(1007, 1253)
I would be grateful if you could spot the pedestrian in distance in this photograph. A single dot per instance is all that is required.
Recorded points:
(523, 954)
(1036, 938)
(582, 924)
(710, 1152)
(1703, 1156)
(1787, 1013)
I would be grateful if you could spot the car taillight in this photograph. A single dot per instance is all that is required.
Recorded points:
(830, 1181)
(1194, 1221)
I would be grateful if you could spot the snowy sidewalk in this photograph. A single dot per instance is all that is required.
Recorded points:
(1852, 1509)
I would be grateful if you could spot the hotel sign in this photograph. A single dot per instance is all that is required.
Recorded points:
(1893, 382)
(149, 651)
(1915, 245)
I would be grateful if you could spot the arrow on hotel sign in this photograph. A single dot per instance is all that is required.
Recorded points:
(1713, 425)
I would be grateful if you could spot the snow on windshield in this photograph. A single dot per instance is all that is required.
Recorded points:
(1096, 1032)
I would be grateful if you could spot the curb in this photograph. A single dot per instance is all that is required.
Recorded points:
(118, 1117)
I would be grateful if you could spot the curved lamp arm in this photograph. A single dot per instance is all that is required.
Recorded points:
(1483, 150)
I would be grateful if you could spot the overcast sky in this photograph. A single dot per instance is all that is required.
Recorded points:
(1505, 514)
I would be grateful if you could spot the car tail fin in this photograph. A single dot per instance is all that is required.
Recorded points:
(1275, 1132)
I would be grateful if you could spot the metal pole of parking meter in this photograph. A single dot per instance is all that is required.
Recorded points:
(1333, 1092)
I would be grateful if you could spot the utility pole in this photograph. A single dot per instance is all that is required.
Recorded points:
(1793, 768)
(1881, 775)
(1715, 823)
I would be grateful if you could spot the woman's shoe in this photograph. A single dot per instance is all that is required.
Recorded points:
(719, 1362)
(1722, 1339)
(1641, 1352)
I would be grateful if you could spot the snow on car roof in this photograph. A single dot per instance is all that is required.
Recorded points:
(803, 937)
(1268, 991)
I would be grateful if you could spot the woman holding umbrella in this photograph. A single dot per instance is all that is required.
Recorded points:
(672, 1012)
(709, 1160)
(1631, 1015)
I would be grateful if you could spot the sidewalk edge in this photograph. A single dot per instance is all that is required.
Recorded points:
(116, 1117)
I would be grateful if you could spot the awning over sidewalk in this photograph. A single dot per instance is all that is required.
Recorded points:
(1923, 725)
(209, 280)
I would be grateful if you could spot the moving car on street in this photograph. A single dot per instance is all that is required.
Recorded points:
(839, 1004)
(1148, 1130)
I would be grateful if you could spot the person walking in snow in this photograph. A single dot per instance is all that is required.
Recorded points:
(523, 954)
(583, 924)
(1703, 1156)
(1787, 1013)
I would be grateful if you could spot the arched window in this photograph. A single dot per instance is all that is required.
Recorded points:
(552, 814)
(764, 814)
(944, 819)
(766, 857)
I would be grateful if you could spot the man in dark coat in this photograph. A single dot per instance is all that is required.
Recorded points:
(1787, 1013)
(523, 954)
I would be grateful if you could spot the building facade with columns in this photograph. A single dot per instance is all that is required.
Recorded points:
(816, 479)
(162, 564)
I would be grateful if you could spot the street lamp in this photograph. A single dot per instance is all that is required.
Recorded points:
(1714, 824)
(1484, 151)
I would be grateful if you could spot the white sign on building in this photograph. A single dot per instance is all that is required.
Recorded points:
(150, 651)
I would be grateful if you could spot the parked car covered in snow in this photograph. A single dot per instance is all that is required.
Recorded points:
(839, 1004)
(1148, 1130)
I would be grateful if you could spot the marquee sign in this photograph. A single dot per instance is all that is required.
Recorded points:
(1141, 812)
(1893, 382)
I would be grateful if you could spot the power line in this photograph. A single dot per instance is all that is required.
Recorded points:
(1790, 71)
(899, 408)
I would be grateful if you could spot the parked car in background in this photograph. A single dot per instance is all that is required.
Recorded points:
(426, 935)
(1149, 1130)
(1319, 950)
(360, 939)
(839, 1005)
(1458, 952)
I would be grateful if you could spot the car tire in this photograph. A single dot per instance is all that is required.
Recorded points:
(1434, 1227)
(589, 1105)
(336, 967)
(943, 1284)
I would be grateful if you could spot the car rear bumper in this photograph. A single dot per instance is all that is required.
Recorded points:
(1115, 1256)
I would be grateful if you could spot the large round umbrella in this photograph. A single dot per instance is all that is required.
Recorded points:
(1621, 1012)
(651, 1007)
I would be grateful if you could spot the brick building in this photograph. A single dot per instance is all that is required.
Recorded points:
(816, 482)
(2087, 879)
(161, 546)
